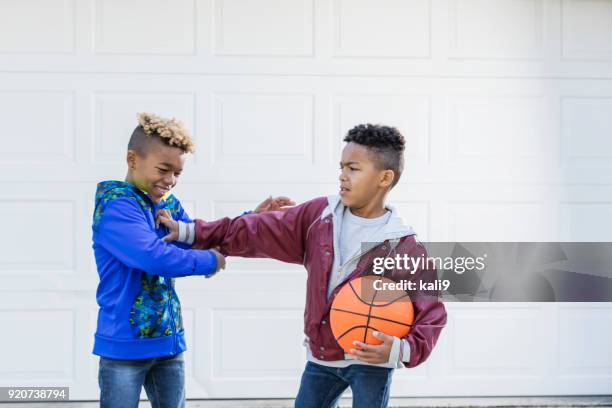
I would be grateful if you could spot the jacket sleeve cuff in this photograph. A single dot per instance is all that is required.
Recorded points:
(191, 233)
(405, 351)
(394, 355)
(186, 232)
(206, 262)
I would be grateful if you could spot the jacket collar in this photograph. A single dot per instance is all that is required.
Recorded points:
(395, 228)
(106, 186)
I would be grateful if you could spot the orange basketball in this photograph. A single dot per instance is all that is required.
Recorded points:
(362, 307)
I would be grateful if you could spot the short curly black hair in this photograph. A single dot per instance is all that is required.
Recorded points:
(385, 142)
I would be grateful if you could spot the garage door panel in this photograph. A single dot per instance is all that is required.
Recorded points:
(507, 140)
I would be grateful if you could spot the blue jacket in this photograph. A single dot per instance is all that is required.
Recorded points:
(140, 313)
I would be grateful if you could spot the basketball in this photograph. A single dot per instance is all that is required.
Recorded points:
(359, 309)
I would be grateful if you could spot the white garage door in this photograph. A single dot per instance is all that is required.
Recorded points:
(506, 106)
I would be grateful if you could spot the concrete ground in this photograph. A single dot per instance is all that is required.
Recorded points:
(582, 401)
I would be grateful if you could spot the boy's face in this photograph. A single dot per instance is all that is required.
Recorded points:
(360, 180)
(158, 171)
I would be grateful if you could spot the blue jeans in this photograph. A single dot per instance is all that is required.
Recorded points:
(322, 386)
(163, 378)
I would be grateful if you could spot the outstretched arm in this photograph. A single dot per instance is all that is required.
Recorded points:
(123, 231)
(279, 235)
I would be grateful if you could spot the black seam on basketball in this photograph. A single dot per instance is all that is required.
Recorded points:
(365, 334)
(398, 298)
(393, 301)
(373, 317)
(382, 305)
(355, 292)
(356, 327)
(349, 330)
(391, 321)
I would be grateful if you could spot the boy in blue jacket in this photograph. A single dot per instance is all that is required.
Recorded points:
(140, 337)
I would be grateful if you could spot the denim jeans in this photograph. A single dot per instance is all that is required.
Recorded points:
(322, 386)
(163, 378)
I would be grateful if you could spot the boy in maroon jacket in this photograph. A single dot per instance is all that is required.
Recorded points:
(337, 239)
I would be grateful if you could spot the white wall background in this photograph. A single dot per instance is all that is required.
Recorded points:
(506, 106)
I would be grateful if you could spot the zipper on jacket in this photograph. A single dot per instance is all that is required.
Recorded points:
(391, 249)
(169, 304)
(343, 266)
(172, 318)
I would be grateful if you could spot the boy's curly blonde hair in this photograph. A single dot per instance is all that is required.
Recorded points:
(170, 131)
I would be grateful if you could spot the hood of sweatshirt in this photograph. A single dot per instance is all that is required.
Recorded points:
(107, 191)
(395, 228)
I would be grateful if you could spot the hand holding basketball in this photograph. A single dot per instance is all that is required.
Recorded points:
(359, 309)
(374, 354)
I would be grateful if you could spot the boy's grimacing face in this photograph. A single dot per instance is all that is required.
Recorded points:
(360, 179)
(158, 171)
